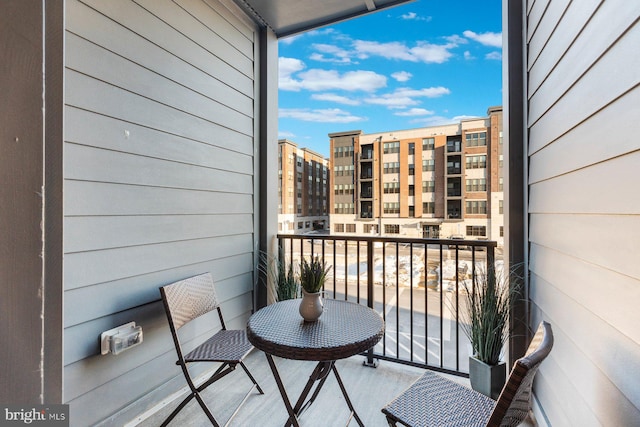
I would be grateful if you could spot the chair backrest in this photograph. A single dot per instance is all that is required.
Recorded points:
(514, 402)
(189, 298)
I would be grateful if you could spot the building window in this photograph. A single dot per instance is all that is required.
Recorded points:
(391, 208)
(476, 230)
(500, 184)
(501, 231)
(350, 228)
(501, 208)
(391, 167)
(411, 190)
(477, 184)
(371, 228)
(391, 187)
(476, 162)
(391, 147)
(476, 207)
(428, 165)
(392, 229)
(428, 186)
(428, 144)
(428, 207)
(412, 148)
(412, 211)
(476, 139)
(412, 169)
(300, 225)
(338, 228)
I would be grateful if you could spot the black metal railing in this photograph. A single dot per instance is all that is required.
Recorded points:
(413, 283)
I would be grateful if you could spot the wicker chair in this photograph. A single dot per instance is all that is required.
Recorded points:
(183, 302)
(434, 401)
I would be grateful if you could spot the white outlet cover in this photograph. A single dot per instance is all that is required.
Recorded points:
(104, 337)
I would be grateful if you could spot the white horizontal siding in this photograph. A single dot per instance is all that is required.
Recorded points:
(159, 183)
(584, 207)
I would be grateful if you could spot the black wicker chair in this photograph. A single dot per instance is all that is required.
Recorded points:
(434, 401)
(183, 302)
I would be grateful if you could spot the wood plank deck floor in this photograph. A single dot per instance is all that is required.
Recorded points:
(369, 390)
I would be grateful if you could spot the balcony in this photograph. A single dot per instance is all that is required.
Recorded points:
(418, 304)
(388, 380)
(422, 328)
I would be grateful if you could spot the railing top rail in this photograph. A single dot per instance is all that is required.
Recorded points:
(418, 240)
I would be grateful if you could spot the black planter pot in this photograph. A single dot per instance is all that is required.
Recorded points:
(487, 379)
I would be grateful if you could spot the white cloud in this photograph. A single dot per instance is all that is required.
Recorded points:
(421, 52)
(404, 97)
(290, 39)
(286, 134)
(331, 115)
(412, 16)
(467, 55)
(493, 55)
(319, 80)
(332, 97)
(338, 54)
(286, 67)
(456, 39)
(321, 32)
(487, 39)
(402, 76)
(441, 120)
(414, 112)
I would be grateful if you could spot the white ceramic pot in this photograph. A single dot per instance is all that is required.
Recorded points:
(311, 306)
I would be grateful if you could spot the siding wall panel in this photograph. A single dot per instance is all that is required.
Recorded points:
(136, 19)
(103, 98)
(546, 28)
(195, 30)
(90, 233)
(567, 153)
(589, 190)
(93, 27)
(88, 268)
(584, 213)
(596, 39)
(159, 183)
(613, 75)
(610, 393)
(105, 132)
(91, 164)
(566, 31)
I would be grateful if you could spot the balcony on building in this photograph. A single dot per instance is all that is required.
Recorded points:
(366, 171)
(454, 165)
(367, 152)
(366, 190)
(366, 210)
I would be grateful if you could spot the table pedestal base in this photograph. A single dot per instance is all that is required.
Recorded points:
(320, 373)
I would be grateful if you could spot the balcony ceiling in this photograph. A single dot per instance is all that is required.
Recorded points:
(288, 17)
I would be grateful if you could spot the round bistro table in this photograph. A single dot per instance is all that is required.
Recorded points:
(344, 330)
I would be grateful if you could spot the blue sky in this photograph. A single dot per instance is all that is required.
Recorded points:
(426, 63)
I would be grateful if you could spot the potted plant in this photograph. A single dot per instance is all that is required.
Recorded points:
(313, 274)
(281, 281)
(485, 321)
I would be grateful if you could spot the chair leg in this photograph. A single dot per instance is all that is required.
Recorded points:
(251, 377)
(206, 410)
(391, 422)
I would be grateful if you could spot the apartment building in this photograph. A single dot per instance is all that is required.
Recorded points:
(438, 181)
(303, 189)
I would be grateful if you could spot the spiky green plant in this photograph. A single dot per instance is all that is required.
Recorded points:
(280, 280)
(313, 274)
(485, 316)
(287, 285)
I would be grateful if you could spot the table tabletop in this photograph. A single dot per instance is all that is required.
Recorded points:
(343, 330)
